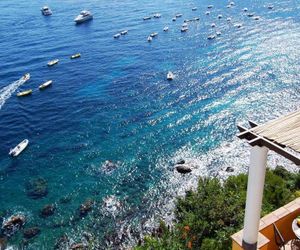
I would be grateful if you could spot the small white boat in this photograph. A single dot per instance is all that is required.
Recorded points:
(270, 7)
(207, 13)
(53, 62)
(250, 14)
(184, 25)
(256, 17)
(124, 32)
(211, 37)
(157, 15)
(166, 28)
(220, 16)
(154, 34)
(174, 19)
(228, 19)
(149, 39)
(218, 33)
(228, 6)
(75, 56)
(197, 18)
(232, 3)
(178, 15)
(46, 11)
(238, 25)
(146, 18)
(184, 29)
(117, 35)
(170, 76)
(84, 16)
(245, 9)
(24, 93)
(186, 20)
(45, 85)
(210, 6)
(19, 148)
(213, 25)
(194, 8)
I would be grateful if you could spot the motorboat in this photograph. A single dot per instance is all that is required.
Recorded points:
(250, 14)
(166, 28)
(211, 37)
(84, 16)
(207, 13)
(146, 18)
(26, 77)
(270, 7)
(186, 20)
(184, 25)
(245, 9)
(228, 6)
(228, 19)
(117, 35)
(75, 56)
(238, 25)
(174, 19)
(256, 17)
(220, 16)
(196, 18)
(210, 6)
(218, 33)
(149, 39)
(154, 34)
(45, 85)
(178, 15)
(184, 29)
(46, 11)
(213, 25)
(170, 76)
(232, 3)
(53, 62)
(19, 148)
(124, 32)
(194, 8)
(157, 15)
(24, 93)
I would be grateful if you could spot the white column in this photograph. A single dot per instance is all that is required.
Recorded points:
(255, 189)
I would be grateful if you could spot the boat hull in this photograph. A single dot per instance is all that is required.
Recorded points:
(82, 20)
(19, 148)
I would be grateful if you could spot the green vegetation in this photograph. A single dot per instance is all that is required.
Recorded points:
(207, 217)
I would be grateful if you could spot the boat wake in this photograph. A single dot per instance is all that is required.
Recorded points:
(6, 92)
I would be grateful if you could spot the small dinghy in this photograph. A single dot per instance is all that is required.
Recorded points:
(25, 93)
(154, 34)
(194, 8)
(197, 18)
(228, 19)
(210, 6)
(19, 148)
(53, 62)
(238, 25)
(174, 19)
(250, 14)
(170, 76)
(117, 35)
(184, 29)
(124, 32)
(45, 85)
(184, 25)
(218, 33)
(211, 37)
(146, 18)
(245, 9)
(256, 17)
(149, 39)
(207, 13)
(166, 28)
(220, 16)
(213, 25)
(178, 15)
(232, 3)
(270, 7)
(75, 56)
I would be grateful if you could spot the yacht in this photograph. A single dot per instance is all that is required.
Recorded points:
(46, 11)
(117, 35)
(84, 16)
(53, 62)
(45, 85)
(195, 8)
(170, 76)
(166, 28)
(124, 32)
(149, 39)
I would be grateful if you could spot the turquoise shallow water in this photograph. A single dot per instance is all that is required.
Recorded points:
(114, 103)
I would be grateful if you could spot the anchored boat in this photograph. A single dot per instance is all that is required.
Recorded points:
(84, 16)
(24, 93)
(53, 62)
(45, 85)
(170, 76)
(75, 56)
(19, 148)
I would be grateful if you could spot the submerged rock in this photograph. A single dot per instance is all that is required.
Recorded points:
(3, 243)
(11, 225)
(47, 210)
(86, 207)
(62, 243)
(183, 169)
(37, 188)
(229, 169)
(109, 166)
(31, 232)
(78, 246)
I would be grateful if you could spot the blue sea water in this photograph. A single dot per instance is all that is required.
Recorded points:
(114, 103)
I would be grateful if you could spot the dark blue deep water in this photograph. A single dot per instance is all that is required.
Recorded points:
(114, 103)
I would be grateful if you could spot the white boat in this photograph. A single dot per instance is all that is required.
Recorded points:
(218, 33)
(146, 18)
(270, 7)
(245, 9)
(84, 16)
(184, 29)
(213, 25)
(170, 76)
(186, 20)
(250, 14)
(117, 35)
(184, 25)
(232, 3)
(228, 6)
(124, 32)
(53, 62)
(178, 15)
(197, 18)
(256, 17)
(220, 16)
(149, 39)
(166, 28)
(154, 34)
(19, 148)
(174, 19)
(45, 85)
(211, 37)
(210, 6)
(194, 8)
(238, 25)
(157, 15)
(228, 19)
(207, 13)
(46, 11)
